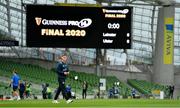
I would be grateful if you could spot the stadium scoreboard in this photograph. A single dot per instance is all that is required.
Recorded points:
(78, 27)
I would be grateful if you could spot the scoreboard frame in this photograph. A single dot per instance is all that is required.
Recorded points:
(45, 27)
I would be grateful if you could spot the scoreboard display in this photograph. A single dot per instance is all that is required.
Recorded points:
(78, 27)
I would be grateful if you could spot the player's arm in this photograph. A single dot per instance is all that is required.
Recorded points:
(60, 69)
(67, 72)
(19, 83)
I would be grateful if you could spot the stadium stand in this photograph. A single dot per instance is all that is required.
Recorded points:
(146, 87)
(4, 91)
(39, 75)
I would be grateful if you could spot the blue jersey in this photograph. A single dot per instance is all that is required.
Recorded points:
(15, 80)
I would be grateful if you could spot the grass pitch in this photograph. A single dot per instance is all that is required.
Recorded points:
(95, 103)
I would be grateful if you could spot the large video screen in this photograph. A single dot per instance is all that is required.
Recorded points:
(78, 27)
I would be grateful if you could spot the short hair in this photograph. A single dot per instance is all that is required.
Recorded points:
(15, 71)
(62, 56)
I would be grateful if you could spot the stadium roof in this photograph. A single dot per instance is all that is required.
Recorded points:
(159, 2)
(165, 2)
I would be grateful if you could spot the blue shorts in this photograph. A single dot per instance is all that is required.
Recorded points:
(15, 88)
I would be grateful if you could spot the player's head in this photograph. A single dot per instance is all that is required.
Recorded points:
(63, 58)
(47, 85)
(14, 71)
(22, 82)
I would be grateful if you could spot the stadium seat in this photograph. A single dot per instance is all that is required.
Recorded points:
(146, 87)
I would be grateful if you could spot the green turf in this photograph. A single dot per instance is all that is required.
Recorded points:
(108, 103)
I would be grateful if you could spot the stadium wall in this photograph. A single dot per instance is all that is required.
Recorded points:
(124, 75)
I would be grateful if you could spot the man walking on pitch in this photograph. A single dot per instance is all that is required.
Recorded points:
(15, 85)
(62, 71)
